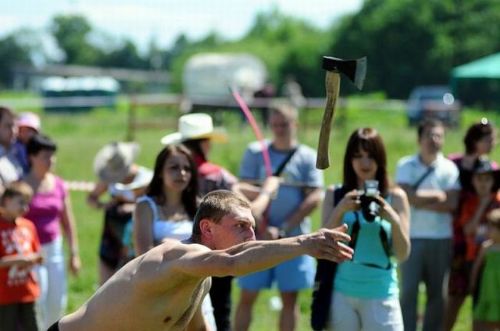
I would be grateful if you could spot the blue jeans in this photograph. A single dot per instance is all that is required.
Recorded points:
(429, 262)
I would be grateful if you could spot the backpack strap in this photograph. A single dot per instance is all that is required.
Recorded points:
(419, 181)
(355, 232)
(283, 164)
(384, 239)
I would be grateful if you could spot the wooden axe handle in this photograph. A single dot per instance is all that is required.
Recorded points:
(332, 84)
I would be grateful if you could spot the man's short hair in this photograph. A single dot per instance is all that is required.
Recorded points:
(16, 189)
(428, 123)
(285, 109)
(214, 206)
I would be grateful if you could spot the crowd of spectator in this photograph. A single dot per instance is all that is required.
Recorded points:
(436, 223)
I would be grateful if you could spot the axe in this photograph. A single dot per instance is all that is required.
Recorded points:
(355, 70)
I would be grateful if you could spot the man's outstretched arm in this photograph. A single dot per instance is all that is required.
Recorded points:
(254, 256)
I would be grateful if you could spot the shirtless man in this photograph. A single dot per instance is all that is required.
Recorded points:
(163, 288)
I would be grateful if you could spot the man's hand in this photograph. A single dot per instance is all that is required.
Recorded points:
(329, 244)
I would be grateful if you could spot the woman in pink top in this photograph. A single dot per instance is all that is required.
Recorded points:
(49, 209)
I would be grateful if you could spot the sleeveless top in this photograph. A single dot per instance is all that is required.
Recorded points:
(355, 278)
(163, 229)
(46, 211)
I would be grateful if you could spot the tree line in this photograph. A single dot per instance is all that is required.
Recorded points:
(407, 42)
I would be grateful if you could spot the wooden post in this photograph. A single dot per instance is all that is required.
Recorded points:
(132, 114)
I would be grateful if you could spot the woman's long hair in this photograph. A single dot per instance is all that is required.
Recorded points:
(368, 140)
(475, 133)
(155, 189)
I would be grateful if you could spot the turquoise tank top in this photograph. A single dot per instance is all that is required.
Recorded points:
(354, 278)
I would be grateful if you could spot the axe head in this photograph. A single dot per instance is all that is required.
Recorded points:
(354, 69)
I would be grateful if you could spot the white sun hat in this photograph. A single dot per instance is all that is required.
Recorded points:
(195, 126)
(112, 163)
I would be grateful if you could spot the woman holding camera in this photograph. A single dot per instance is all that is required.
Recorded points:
(365, 290)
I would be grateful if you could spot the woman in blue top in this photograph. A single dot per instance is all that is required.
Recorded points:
(365, 294)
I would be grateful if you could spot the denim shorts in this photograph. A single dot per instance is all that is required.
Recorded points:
(290, 276)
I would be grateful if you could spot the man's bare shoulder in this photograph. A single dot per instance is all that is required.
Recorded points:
(169, 260)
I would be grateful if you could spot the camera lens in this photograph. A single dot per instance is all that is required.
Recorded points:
(369, 208)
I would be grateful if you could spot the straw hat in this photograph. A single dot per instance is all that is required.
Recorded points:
(195, 126)
(112, 163)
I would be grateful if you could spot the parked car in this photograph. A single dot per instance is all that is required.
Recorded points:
(434, 101)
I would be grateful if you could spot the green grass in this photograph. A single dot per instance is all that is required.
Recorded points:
(80, 135)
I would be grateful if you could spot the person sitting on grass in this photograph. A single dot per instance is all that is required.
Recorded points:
(164, 288)
(19, 253)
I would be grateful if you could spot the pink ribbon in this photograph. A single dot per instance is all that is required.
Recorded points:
(248, 115)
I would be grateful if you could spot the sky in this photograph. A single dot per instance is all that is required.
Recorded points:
(164, 20)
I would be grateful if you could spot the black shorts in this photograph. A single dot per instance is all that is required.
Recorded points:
(54, 327)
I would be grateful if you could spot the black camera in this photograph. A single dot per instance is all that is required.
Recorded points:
(369, 205)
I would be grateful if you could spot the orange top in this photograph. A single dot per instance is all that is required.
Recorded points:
(18, 284)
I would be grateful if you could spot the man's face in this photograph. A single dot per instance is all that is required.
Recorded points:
(281, 126)
(7, 130)
(432, 139)
(233, 229)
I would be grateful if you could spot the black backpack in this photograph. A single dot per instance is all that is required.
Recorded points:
(323, 282)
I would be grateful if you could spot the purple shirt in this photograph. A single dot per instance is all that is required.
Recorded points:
(45, 210)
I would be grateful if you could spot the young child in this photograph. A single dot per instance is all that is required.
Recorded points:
(469, 232)
(487, 269)
(19, 253)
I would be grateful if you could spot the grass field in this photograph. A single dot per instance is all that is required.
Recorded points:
(80, 135)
